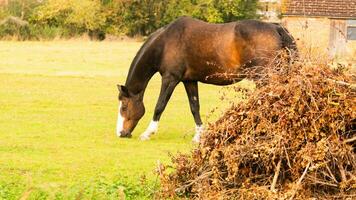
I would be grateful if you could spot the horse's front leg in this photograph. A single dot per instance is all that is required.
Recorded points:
(167, 88)
(193, 95)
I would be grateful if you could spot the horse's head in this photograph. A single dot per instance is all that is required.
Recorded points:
(131, 110)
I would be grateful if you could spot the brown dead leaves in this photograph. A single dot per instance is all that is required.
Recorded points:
(291, 139)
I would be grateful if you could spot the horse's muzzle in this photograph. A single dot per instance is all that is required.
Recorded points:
(125, 134)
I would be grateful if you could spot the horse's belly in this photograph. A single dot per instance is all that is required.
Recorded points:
(221, 81)
(213, 72)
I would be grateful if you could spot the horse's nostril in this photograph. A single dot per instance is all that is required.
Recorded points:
(125, 134)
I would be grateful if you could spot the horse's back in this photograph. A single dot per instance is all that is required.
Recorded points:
(195, 50)
(200, 47)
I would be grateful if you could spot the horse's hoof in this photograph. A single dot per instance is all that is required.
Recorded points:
(196, 139)
(144, 137)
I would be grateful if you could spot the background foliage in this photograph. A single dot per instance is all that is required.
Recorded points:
(48, 19)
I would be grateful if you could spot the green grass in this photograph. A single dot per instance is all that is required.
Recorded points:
(58, 108)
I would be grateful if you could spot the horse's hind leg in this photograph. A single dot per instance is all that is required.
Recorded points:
(193, 95)
(168, 84)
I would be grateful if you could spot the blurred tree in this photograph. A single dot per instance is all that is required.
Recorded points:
(85, 14)
(113, 12)
(219, 11)
(131, 17)
(21, 8)
(144, 16)
(76, 16)
(52, 13)
(177, 8)
(82, 14)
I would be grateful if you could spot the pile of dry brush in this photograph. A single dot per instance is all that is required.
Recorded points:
(293, 138)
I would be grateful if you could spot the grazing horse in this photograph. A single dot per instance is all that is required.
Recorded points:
(191, 51)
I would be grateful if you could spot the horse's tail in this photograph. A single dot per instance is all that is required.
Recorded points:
(288, 42)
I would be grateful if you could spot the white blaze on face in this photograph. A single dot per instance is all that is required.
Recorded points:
(120, 122)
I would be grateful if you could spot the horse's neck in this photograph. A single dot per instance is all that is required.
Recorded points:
(143, 67)
(138, 79)
(141, 70)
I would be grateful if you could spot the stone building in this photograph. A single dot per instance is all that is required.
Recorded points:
(322, 26)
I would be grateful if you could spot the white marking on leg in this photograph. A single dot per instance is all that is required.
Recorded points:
(151, 129)
(120, 122)
(198, 130)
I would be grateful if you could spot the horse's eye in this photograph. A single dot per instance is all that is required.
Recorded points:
(124, 108)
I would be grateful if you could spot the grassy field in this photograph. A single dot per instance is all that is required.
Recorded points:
(58, 108)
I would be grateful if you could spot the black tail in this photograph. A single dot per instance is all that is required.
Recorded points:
(288, 42)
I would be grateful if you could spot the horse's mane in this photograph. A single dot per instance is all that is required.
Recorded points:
(150, 40)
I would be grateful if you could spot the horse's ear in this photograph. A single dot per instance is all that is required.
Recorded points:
(123, 90)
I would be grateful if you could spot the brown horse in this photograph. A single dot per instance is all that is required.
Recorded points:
(188, 51)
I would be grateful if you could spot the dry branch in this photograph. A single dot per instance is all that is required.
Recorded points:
(342, 83)
(300, 181)
(350, 140)
(276, 174)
